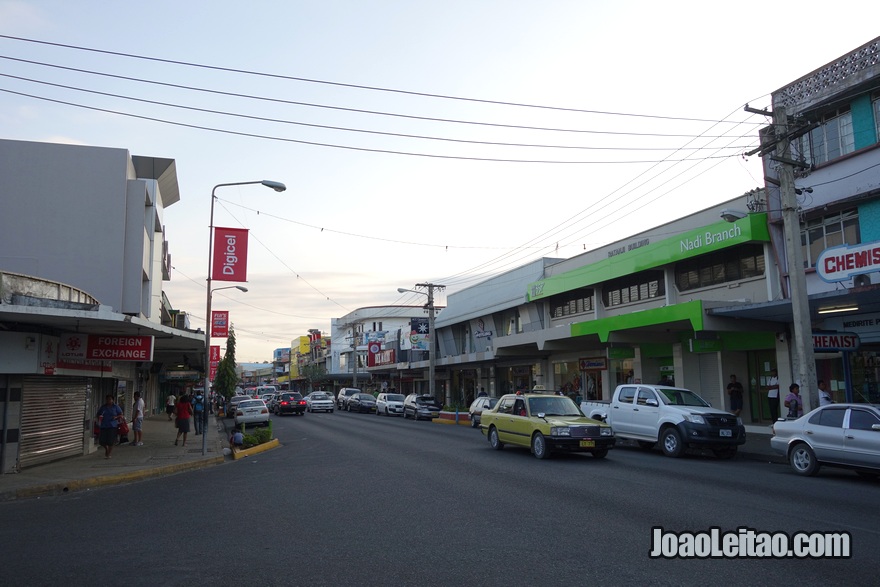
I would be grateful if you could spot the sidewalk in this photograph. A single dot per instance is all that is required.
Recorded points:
(157, 457)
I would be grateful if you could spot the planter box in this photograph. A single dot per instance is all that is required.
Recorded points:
(449, 418)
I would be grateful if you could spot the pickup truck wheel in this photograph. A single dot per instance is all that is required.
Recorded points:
(539, 446)
(600, 453)
(671, 442)
(645, 445)
(494, 440)
(725, 453)
(803, 460)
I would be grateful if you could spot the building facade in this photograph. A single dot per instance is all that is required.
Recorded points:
(83, 260)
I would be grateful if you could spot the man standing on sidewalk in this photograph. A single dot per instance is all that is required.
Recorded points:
(199, 411)
(137, 420)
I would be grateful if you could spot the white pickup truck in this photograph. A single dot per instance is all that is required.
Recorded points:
(675, 417)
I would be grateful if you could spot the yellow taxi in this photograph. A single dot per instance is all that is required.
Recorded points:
(545, 424)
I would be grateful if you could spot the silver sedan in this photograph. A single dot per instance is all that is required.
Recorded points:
(836, 435)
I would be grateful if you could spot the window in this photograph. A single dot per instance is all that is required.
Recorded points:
(645, 395)
(833, 138)
(832, 418)
(724, 266)
(862, 420)
(829, 231)
(571, 303)
(626, 395)
(634, 288)
(506, 406)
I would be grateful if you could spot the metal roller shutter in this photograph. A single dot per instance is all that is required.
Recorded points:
(52, 410)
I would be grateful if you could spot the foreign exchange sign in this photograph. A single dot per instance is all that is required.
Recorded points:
(105, 348)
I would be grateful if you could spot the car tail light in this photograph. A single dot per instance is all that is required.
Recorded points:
(264, 411)
(283, 403)
(302, 402)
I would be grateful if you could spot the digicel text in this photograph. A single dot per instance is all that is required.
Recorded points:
(231, 258)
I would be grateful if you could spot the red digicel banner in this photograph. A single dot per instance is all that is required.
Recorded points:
(214, 356)
(230, 254)
(220, 324)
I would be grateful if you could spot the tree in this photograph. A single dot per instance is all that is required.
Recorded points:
(227, 378)
(312, 373)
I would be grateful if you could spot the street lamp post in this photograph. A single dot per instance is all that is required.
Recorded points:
(432, 349)
(278, 187)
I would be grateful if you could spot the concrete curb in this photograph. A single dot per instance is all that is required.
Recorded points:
(240, 454)
(61, 488)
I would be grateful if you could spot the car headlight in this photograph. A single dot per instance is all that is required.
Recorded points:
(560, 431)
(605, 431)
(695, 419)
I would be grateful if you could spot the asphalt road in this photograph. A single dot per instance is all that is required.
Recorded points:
(364, 500)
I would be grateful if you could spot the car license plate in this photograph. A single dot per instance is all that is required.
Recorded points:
(588, 443)
(727, 433)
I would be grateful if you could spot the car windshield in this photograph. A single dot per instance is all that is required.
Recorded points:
(251, 403)
(319, 396)
(553, 406)
(682, 397)
(394, 397)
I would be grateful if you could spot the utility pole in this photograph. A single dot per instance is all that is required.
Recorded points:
(805, 359)
(354, 355)
(432, 350)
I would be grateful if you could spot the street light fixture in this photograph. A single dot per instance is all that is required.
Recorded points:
(432, 349)
(278, 187)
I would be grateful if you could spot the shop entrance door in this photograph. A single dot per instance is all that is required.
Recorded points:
(760, 362)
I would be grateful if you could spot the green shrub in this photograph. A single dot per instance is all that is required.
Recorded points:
(259, 436)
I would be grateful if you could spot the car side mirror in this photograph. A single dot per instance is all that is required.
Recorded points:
(651, 402)
(541, 414)
(876, 427)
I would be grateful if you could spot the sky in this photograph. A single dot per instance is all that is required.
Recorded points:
(420, 142)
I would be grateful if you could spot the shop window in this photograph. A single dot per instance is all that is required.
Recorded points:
(829, 231)
(724, 266)
(571, 303)
(633, 288)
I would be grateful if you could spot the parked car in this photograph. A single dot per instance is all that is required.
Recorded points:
(291, 402)
(251, 411)
(418, 407)
(477, 407)
(232, 402)
(389, 404)
(361, 402)
(320, 401)
(344, 394)
(836, 435)
(677, 418)
(545, 424)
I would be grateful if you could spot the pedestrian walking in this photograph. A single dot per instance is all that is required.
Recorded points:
(198, 406)
(794, 402)
(137, 420)
(183, 412)
(108, 422)
(824, 394)
(169, 405)
(735, 391)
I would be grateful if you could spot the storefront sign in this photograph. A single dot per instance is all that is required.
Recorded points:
(376, 356)
(214, 357)
(598, 363)
(230, 254)
(105, 348)
(835, 341)
(844, 262)
(705, 346)
(219, 324)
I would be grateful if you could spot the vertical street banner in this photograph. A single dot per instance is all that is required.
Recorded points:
(214, 357)
(220, 324)
(419, 336)
(230, 254)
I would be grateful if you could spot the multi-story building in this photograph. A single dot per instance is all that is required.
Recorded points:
(83, 259)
